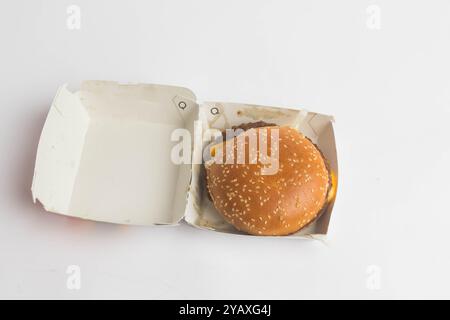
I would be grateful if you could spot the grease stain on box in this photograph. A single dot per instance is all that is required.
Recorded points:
(257, 113)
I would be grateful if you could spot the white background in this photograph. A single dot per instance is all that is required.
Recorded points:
(389, 90)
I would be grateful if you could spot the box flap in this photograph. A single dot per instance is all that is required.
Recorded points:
(104, 153)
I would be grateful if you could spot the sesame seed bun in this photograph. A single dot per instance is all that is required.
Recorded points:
(278, 203)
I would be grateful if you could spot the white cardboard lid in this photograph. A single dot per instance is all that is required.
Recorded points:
(104, 153)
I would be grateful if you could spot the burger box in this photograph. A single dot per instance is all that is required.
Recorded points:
(106, 154)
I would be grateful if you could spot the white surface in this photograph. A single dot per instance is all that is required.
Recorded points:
(388, 89)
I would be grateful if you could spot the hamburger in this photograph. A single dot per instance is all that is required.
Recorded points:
(258, 201)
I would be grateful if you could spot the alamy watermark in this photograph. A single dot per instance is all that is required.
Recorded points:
(373, 21)
(254, 146)
(373, 280)
(73, 21)
(73, 281)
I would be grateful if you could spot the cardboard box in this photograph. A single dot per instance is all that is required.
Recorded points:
(105, 154)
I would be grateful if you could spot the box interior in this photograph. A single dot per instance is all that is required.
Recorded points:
(105, 150)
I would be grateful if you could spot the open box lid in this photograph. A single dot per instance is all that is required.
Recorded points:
(104, 153)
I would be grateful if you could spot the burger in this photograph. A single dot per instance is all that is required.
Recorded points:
(268, 198)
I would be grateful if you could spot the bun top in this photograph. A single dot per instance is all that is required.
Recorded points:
(269, 202)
